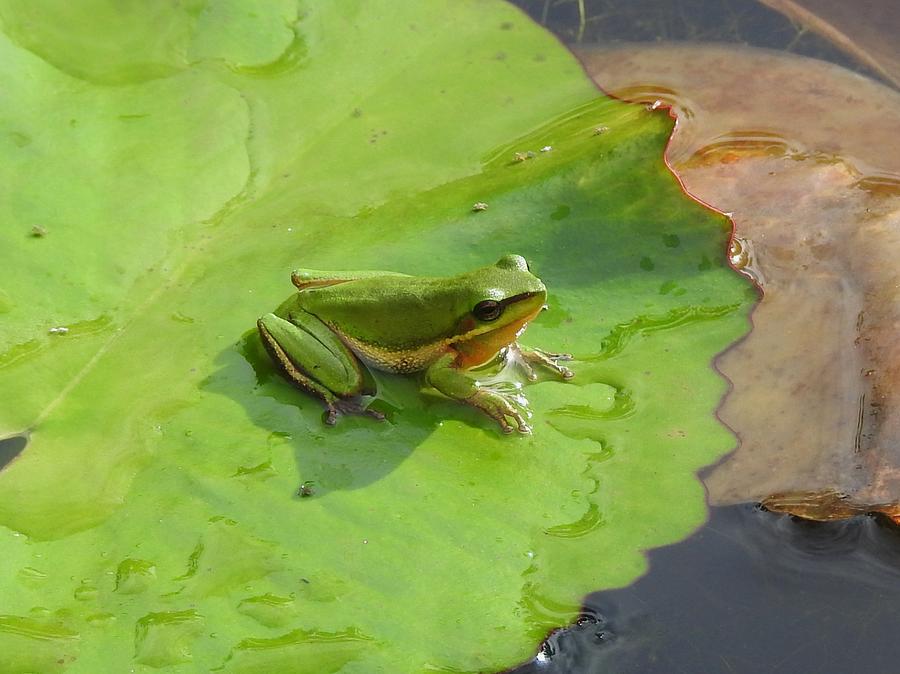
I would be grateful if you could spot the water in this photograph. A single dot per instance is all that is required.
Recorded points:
(745, 22)
(751, 591)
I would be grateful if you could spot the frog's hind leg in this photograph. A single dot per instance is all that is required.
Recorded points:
(295, 374)
(348, 406)
(329, 372)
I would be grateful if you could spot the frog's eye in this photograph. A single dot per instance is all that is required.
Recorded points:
(487, 311)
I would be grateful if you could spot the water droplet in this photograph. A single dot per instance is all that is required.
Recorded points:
(100, 619)
(560, 212)
(86, 592)
(133, 576)
(31, 577)
(165, 639)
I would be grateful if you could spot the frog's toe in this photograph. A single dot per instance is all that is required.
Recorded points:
(552, 355)
(331, 415)
(528, 369)
(349, 406)
(500, 409)
(375, 414)
(529, 359)
(521, 424)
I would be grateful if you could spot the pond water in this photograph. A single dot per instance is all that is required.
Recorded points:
(783, 108)
(751, 591)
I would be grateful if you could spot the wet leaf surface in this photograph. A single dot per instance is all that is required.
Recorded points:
(177, 176)
(804, 160)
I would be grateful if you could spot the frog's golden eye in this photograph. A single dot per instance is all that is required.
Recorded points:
(487, 311)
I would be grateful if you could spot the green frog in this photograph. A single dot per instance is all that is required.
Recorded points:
(340, 324)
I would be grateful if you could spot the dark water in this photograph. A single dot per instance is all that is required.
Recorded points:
(745, 22)
(750, 592)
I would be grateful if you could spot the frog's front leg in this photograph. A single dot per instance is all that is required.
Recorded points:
(316, 360)
(455, 384)
(528, 359)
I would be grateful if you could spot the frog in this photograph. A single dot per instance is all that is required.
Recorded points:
(339, 326)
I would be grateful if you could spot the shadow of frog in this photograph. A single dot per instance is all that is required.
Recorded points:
(357, 450)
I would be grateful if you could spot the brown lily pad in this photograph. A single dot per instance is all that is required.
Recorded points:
(804, 155)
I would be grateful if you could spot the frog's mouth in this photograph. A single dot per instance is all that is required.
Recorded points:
(528, 304)
(521, 297)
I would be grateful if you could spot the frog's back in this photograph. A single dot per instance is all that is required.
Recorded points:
(388, 310)
(388, 322)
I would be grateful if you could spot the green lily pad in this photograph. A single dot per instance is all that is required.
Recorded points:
(178, 175)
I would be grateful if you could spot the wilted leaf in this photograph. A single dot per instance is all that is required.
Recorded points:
(803, 159)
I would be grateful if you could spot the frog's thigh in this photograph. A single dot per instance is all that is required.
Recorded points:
(315, 351)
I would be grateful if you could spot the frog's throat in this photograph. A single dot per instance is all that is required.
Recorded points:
(481, 346)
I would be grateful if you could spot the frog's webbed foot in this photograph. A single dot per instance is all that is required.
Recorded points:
(500, 406)
(528, 359)
(348, 406)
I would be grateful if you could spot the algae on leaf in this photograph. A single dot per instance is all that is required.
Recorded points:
(152, 517)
